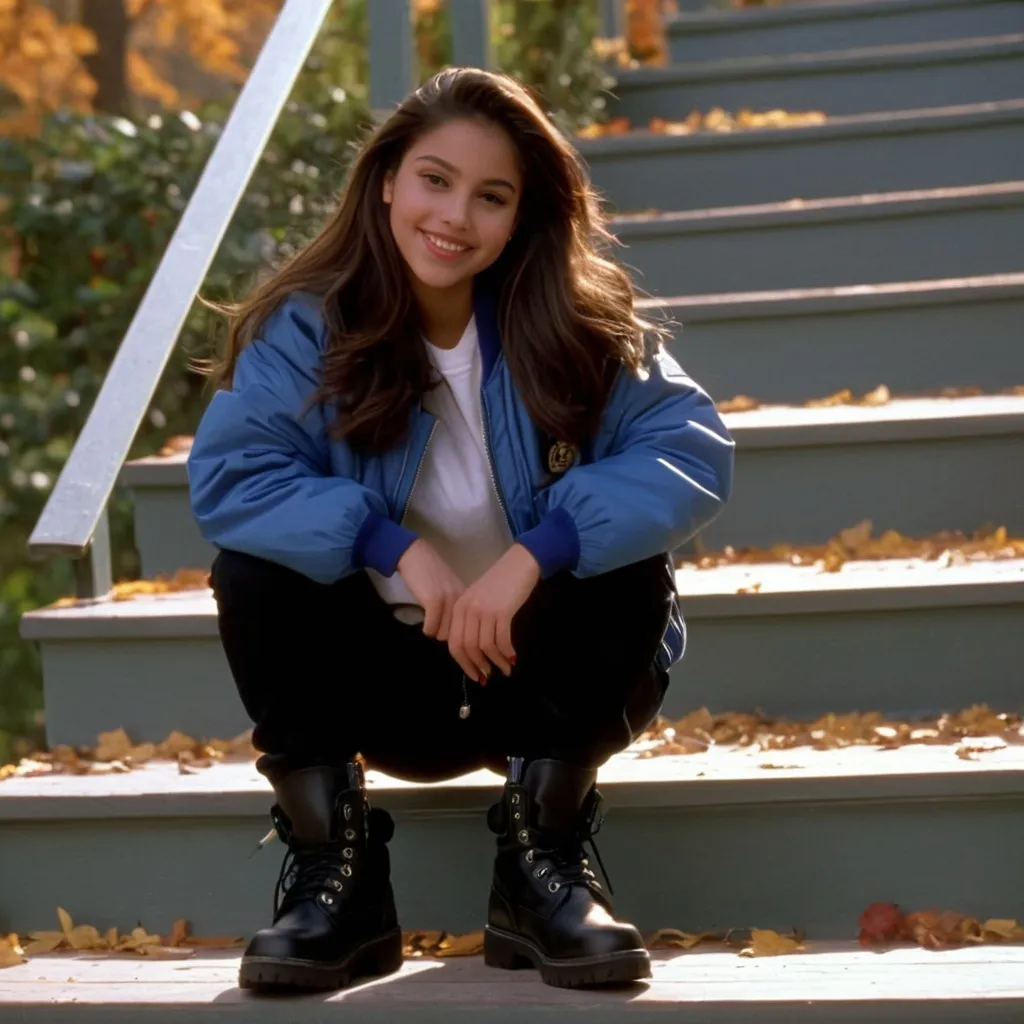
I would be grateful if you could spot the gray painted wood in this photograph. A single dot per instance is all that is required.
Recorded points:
(805, 644)
(814, 27)
(392, 74)
(831, 982)
(818, 863)
(471, 33)
(854, 82)
(938, 234)
(911, 340)
(844, 157)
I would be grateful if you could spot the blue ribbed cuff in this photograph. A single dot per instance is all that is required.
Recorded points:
(554, 542)
(381, 542)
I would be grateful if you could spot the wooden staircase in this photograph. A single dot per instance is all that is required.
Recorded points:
(882, 246)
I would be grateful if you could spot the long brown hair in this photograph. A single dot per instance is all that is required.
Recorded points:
(565, 310)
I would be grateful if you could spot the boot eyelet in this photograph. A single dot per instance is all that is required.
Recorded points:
(346, 870)
(540, 872)
(326, 897)
(348, 812)
(524, 836)
(554, 886)
(515, 798)
(335, 884)
(348, 853)
(517, 816)
(529, 856)
(350, 833)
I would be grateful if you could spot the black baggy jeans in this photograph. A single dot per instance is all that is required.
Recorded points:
(325, 671)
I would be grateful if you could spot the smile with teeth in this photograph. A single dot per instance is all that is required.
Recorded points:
(449, 247)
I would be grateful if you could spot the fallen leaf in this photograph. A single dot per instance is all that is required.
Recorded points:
(113, 746)
(44, 942)
(66, 924)
(935, 929)
(179, 932)
(11, 953)
(765, 942)
(880, 922)
(85, 936)
(471, 944)
(1001, 929)
(672, 938)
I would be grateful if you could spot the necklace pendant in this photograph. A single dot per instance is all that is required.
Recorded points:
(464, 711)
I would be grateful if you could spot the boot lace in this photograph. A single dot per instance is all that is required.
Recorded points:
(308, 872)
(568, 860)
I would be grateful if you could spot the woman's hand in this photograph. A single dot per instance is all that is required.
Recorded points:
(481, 629)
(434, 585)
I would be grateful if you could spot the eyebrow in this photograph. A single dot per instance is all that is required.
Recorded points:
(454, 170)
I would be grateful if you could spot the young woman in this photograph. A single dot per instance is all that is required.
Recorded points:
(444, 472)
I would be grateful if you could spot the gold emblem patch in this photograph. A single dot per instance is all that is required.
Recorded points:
(561, 456)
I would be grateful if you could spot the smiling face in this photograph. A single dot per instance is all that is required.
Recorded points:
(453, 204)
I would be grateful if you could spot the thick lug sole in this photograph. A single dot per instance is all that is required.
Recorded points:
(382, 955)
(512, 952)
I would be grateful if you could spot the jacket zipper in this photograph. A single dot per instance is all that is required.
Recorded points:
(490, 465)
(419, 469)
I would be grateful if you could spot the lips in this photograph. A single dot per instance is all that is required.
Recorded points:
(441, 251)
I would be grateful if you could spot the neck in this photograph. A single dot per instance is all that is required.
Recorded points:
(444, 314)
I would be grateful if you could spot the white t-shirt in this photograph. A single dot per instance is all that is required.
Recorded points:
(454, 504)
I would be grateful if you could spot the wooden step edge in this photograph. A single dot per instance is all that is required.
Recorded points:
(726, 591)
(719, 777)
(793, 212)
(832, 982)
(868, 58)
(724, 19)
(910, 419)
(876, 123)
(771, 426)
(838, 299)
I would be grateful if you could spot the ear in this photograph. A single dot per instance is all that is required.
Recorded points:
(388, 192)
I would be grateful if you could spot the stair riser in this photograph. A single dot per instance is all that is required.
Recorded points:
(910, 349)
(935, 659)
(834, 91)
(815, 253)
(917, 487)
(844, 31)
(693, 868)
(678, 176)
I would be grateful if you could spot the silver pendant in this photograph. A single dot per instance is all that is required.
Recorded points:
(464, 711)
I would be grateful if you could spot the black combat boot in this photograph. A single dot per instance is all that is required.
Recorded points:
(547, 910)
(334, 910)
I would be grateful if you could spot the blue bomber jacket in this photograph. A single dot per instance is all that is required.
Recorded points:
(266, 478)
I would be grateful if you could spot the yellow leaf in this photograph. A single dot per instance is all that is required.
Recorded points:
(111, 937)
(880, 396)
(85, 936)
(471, 944)
(137, 941)
(66, 923)
(997, 928)
(179, 932)
(11, 953)
(765, 942)
(44, 942)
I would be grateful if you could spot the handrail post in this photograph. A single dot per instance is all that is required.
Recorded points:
(392, 73)
(471, 33)
(94, 571)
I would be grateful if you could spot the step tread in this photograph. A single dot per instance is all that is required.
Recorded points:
(860, 207)
(793, 301)
(717, 777)
(764, 427)
(642, 140)
(865, 585)
(739, 19)
(888, 56)
(705, 983)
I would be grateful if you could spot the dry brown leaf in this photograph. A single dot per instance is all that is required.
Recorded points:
(935, 929)
(765, 942)
(11, 953)
(113, 746)
(179, 933)
(739, 403)
(672, 938)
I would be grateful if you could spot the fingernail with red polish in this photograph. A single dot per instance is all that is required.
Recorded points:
(482, 680)
(512, 661)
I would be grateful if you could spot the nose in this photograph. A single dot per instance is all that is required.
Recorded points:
(456, 209)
